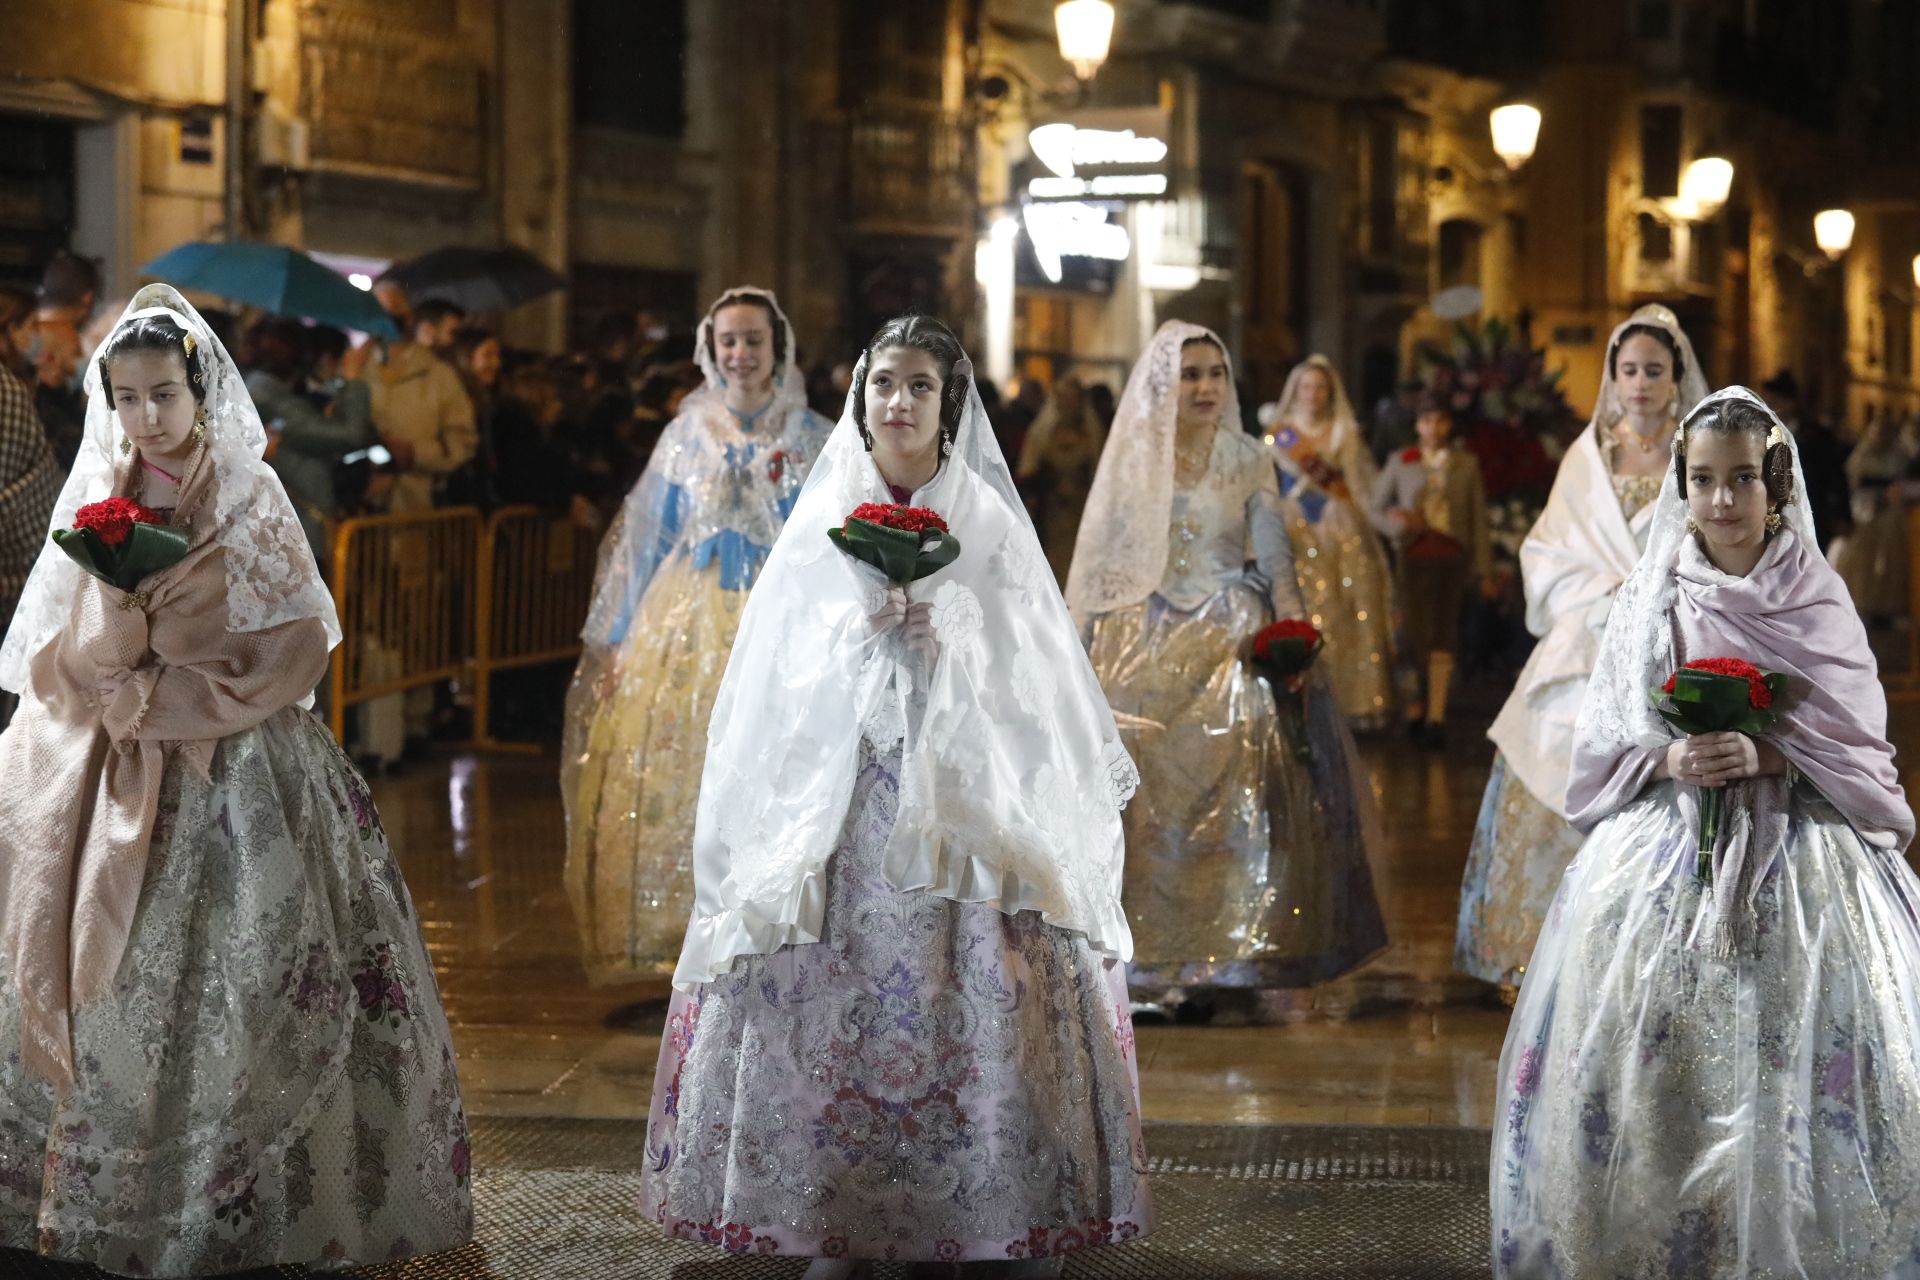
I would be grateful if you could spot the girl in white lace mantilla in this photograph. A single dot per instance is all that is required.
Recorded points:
(1326, 477)
(674, 574)
(1717, 1077)
(901, 1027)
(1575, 558)
(221, 1047)
(1246, 864)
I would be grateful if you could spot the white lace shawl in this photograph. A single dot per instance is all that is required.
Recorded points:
(1577, 555)
(1120, 555)
(1012, 772)
(271, 575)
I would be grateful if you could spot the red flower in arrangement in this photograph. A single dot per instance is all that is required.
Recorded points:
(904, 543)
(1759, 695)
(112, 519)
(1268, 638)
(1718, 695)
(1284, 650)
(898, 515)
(1410, 454)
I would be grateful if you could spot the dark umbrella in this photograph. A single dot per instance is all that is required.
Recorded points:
(274, 278)
(477, 279)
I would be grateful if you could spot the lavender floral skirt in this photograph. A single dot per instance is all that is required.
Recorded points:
(932, 1080)
(1663, 1112)
(272, 1080)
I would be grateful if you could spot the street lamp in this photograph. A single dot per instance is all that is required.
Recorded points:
(1705, 185)
(1516, 130)
(1086, 33)
(1833, 232)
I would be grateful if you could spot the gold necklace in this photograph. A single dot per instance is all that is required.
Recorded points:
(1645, 442)
(1192, 456)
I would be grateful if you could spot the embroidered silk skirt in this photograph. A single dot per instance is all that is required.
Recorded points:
(1521, 848)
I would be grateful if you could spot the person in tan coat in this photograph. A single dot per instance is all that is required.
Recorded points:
(423, 413)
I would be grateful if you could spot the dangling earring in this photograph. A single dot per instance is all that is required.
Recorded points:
(946, 446)
(1691, 526)
(126, 444)
(199, 431)
(1773, 521)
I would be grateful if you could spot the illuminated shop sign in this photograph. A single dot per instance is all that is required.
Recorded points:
(1104, 155)
(1070, 229)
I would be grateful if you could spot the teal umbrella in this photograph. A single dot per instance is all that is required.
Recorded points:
(274, 278)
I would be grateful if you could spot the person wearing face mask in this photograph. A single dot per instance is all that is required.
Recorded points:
(1709, 1070)
(1581, 549)
(224, 1048)
(900, 1025)
(29, 475)
(1246, 856)
(675, 569)
(1326, 477)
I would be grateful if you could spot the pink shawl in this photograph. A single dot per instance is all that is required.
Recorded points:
(110, 700)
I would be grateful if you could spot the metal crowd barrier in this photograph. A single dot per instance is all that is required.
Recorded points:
(403, 585)
(454, 594)
(536, 582)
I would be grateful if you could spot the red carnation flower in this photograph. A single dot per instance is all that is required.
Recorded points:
(112, 519)
(897, 515)
(1759, 696)
(1286, 629)
(1410, 454)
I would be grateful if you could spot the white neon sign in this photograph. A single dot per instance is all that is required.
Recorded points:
(1073, 230)
(1105, 187)
(1066, 148)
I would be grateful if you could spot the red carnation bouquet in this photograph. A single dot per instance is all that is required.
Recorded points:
(1283, 651)
(904, 543)
(120, 542)
(1717, 695)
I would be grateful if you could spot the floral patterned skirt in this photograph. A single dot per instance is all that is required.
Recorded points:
(272, 1080)
(1662, 1112)
(1247, 840)
(931, 1080)
(1520, 850)
(632, 780)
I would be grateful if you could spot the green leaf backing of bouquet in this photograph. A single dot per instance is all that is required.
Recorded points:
(1708, 702)
(149, 548)
(901, 556)
(1290, 655)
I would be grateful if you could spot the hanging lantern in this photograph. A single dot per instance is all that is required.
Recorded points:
(1516, 130)
(1833, 232)
(1086, 33)
(1705, 185)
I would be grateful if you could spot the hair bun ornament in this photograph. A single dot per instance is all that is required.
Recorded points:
(186, 342)
(963, 367)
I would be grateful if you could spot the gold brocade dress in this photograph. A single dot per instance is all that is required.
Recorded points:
(711, 505)
(1246, 841)
(1325, 476)
(1521, 847)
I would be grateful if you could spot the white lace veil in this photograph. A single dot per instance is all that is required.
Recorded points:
(1120, 555)
(1692, 382)
(271, 576)
(1346, 426)
(703, 448)
(1636, 653)
(1012, 775)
